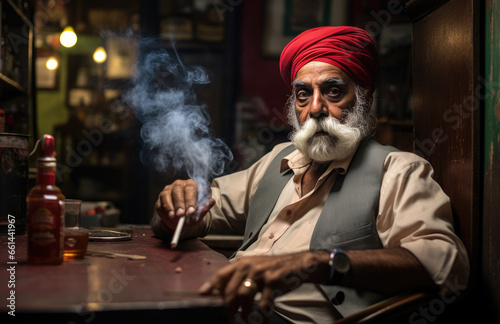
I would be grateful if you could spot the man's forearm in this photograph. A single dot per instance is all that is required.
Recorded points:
(387, 271)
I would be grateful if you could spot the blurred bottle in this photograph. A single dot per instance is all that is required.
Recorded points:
(45, 210)
(209, 26)
(176, 20)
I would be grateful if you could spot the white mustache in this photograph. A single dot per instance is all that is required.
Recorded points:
(329, 125)
(339, 142)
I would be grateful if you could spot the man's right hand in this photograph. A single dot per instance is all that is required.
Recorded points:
(180, 199)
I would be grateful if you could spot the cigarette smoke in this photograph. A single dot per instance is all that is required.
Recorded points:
(176, 131)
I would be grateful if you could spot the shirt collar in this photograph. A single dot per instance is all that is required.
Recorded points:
(297, 160)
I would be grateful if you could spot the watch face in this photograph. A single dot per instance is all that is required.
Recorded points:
(341, 262)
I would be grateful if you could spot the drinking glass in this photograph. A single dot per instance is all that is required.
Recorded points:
(76, 238)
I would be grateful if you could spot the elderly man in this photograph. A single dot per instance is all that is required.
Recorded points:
(333, 221)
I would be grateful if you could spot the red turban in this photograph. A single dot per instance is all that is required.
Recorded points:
(351, 49)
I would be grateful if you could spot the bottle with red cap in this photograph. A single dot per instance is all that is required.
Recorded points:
(45, 205)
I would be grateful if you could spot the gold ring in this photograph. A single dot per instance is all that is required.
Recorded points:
(249, 283)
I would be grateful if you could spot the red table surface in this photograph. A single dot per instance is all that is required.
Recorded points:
(166, 282)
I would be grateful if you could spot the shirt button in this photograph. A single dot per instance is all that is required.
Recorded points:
(271, 236)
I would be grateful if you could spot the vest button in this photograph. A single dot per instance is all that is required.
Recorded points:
(339, 298)
(271, 236)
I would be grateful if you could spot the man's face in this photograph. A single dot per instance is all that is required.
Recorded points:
(322, 90)
(330, 118)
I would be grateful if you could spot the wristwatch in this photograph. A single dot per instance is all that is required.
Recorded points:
(340, 265)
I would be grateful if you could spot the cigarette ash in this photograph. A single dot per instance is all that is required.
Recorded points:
(176, 131)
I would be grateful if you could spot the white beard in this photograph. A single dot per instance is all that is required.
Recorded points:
(326, 139)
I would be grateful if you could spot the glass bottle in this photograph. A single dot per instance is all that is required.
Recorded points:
(45, 205)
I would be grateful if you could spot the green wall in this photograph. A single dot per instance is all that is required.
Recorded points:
(491, 165)
(51, 105)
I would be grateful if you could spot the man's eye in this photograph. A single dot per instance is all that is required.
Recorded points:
(334, 92)
(302, 94)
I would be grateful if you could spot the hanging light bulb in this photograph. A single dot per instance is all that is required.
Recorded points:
(68, 37)
(100, 55)
(52, 63)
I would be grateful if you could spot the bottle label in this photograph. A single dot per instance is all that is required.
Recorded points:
(45, 229)
(43, 216)
(43, 237)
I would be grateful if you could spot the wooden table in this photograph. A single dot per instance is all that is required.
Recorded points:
(101, 289)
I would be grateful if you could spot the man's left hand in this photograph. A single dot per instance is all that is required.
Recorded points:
(272, 276)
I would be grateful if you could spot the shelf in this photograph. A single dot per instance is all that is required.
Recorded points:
(187, 45)
(10, 88)
(20, 14)
(19, 34)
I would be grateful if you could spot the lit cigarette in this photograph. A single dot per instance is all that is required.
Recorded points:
(177, 232)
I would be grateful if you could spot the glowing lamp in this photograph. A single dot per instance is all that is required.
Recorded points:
(99, 55)
(52, 63)
(68, 37)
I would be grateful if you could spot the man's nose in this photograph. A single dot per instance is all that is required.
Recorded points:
(318, 106)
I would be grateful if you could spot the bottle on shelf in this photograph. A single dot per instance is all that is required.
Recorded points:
(45, 205)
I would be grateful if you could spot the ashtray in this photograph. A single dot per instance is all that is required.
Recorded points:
(105, 235)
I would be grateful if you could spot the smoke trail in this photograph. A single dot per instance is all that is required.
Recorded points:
(175, 129)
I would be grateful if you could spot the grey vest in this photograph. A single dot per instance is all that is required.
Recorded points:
(347, 220)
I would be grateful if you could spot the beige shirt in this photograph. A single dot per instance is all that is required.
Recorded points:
(414, 213)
